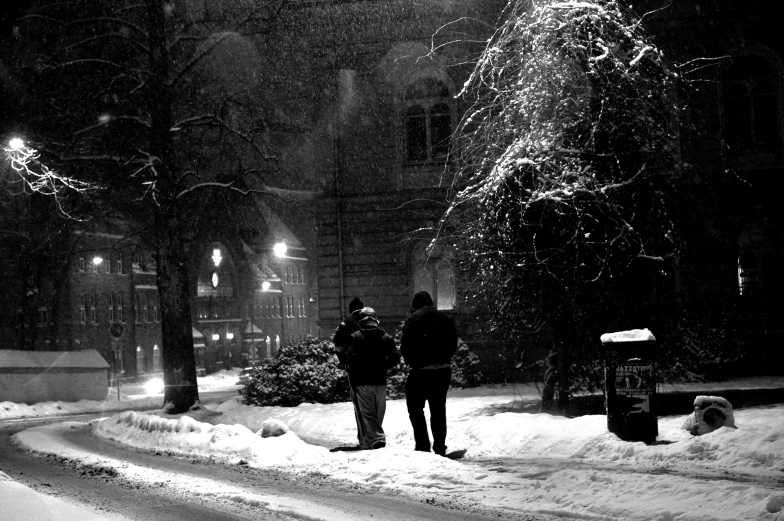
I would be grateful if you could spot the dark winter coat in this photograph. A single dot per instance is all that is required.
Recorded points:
(370, 353)
(342, 337)
(429, 339)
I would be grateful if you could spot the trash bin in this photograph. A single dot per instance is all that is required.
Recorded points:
(630, 381)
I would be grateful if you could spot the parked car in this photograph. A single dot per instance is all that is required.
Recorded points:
(245, 376)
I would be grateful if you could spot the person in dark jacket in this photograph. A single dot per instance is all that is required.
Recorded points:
(347, 327)
(370, 353)
(428, 343)
(342, 341)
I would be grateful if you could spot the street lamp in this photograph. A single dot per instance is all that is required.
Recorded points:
(265, 286)
(16, 143)
(280, 249)
(97, 261)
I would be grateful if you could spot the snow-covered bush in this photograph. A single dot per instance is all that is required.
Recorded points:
(309, 371)
(306, 371)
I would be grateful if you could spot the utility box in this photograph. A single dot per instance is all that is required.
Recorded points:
(630, 382)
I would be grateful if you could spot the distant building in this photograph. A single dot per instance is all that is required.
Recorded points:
(246, 302)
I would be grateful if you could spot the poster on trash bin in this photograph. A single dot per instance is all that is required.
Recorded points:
(634, 379)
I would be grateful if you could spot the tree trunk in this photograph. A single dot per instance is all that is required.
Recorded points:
(563, 376)
(179, 362)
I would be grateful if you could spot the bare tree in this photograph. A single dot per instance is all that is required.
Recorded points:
(148, 101)
(568, 154)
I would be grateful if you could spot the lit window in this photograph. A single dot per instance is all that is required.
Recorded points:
(139, 360)
(157, 366)
(427, 120)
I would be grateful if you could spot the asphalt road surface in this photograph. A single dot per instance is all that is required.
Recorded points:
(154, 498)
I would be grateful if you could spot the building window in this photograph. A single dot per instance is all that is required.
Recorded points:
(760, 261)
(119, 266)
(145, 309)
(432, 271)
(157, 365)
(139, 360)
(750, 104)
(83, 309)
(156, 311)
(81, 264)
(43, 316)
(93, 311)
(119, 302)
(427, 120)
(111, 308)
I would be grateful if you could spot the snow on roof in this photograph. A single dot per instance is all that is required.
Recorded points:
(633, 335)
(51, 359)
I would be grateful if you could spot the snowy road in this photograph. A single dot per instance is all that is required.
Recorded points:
(121, 483)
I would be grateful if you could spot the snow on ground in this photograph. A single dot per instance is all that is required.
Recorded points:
(515, 461)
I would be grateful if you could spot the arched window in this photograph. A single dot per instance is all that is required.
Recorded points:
(216, 273)
(750, 104)
(432, 271)
(139, 360)
(157, 364)
(427, 120)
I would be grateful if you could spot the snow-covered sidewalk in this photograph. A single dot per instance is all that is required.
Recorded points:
(515, 461)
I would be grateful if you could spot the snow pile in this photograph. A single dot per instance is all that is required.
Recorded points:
(187, 437)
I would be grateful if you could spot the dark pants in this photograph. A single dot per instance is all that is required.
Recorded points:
(431, 386)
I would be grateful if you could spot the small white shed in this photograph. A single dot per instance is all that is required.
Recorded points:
(45, 376)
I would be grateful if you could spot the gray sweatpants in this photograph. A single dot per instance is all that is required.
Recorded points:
(370, 405)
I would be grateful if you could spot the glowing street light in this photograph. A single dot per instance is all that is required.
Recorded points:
(16, 144)
(97, 261)
(265, 286)
(280, 249)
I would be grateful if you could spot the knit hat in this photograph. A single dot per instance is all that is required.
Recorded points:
(355, 305)
(421, 299)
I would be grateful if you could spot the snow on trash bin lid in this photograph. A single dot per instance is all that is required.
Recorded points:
(633, 335)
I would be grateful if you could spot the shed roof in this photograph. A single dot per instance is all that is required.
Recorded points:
(88, 358)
